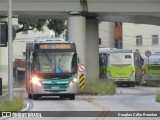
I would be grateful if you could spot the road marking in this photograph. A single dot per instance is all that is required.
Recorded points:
(27, 106)
(152, 100)
(102, 116)
(119, 92)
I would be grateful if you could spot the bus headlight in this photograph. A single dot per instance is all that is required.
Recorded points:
(75, 80)
(36, 81)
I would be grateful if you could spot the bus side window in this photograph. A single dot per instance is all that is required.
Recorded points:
(36, 65)
(74, 62)
(106, 60)
(101, 60)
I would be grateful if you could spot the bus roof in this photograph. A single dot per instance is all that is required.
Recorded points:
(104, 50)
(51, 40)
(48, 39)
(114, 50)
(121, 51)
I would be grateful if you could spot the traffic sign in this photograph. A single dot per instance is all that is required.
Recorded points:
(81, 67)
(82, 81)
(148, 53)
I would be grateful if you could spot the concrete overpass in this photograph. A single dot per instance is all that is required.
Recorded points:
(139, 11)
(83, 17)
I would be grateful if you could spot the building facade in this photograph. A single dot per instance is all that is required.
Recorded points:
(106, 34)
(142, 37)
(130, 36)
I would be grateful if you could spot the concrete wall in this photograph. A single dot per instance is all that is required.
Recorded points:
(130, 31)
(106, 33)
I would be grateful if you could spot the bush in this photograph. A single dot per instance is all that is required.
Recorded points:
(158, 97)
(152, 83)
(101, 87)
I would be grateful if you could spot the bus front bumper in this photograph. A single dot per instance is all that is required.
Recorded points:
(122, 79)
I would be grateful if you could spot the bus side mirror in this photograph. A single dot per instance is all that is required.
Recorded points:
(78, 58)
(31, 57)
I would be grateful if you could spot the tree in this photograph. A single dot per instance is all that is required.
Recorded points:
(58, 26)
(30, 24)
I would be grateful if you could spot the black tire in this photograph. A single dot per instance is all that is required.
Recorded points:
(61, 96)
(29, 96)
(72, 97)
(132, 84)
(34, 97)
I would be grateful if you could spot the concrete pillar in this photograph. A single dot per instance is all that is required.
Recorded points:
(92, 49)
(77, 34)
(84, 32)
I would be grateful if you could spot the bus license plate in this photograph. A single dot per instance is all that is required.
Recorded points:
(55, 88)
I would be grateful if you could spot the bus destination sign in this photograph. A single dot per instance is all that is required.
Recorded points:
(54, 46)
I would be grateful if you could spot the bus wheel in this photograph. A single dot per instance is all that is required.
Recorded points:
(132, 84)
(34, 97)
(29, 96)
(61, 96)
(72, 97)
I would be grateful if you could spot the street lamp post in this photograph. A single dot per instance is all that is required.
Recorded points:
(10, 50)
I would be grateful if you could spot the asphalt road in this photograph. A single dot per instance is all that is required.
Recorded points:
(126, 99)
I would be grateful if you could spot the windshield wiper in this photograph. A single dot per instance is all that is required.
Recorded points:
(47, 57)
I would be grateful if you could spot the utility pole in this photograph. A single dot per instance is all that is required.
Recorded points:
(10, 50)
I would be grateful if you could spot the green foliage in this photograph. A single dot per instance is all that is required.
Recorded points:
(31, 23)
(158, 97)
(152, 83)
(18, 84)
(14, 105)
(58, 26)
(102, 87)
(15, 85)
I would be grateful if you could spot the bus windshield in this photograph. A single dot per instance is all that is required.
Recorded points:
(121, 59)
(55, 62)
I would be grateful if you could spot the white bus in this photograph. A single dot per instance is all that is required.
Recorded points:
(122, 66)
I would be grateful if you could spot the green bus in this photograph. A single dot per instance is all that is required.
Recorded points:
(121, 66)
(151, 67)
(51, 68)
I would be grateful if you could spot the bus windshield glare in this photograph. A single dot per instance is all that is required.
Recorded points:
(55, 62)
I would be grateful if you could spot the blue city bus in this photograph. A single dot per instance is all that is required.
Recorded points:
(51, 68)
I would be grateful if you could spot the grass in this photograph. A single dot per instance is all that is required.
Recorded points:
(15, 85)
(101, 87)
(15, 105)
(18, 84)
(152, 83)
(158, 97)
